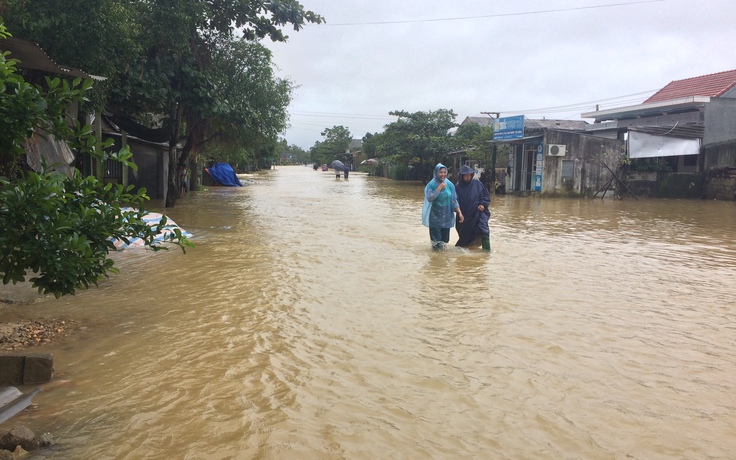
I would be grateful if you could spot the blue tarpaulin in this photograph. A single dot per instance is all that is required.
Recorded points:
(223, 174)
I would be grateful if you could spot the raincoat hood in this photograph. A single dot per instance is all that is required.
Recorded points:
(465, 169)
(437, 171)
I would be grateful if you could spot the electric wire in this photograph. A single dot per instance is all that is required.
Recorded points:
(498, 15)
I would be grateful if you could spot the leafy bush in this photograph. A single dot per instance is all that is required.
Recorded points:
(398, 172)
(52, 225)
(60, 228)
(650, 165)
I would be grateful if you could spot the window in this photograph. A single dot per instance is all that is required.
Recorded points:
(568, 169)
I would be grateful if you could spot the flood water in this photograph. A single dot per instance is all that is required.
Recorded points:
(313, 321)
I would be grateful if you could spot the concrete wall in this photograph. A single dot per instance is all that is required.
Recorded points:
(720, 121)
(674, 185)
(665, 184)
(589, 154)
(719, 156)
(720, 188)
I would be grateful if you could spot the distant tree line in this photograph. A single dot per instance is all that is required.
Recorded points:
(413, 144)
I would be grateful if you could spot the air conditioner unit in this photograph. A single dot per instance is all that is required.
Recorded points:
(556, 150)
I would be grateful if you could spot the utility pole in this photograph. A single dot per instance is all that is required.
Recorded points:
(495, 152)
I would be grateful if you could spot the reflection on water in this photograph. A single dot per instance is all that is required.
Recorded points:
(312, 320)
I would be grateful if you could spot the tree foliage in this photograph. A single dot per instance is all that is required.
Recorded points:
(181, 66)
(252, 102)
(60, 228)
(52, 225)
(478, 141)
(336, 143)
(291, 153)
(468, 131)
(420, 137)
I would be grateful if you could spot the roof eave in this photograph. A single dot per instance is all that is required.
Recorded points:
(690, 102)
(32, 56)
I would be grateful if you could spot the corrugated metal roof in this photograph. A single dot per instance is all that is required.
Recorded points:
(483, 121)
(529, 123)
(712, 85)
(565, 125)
(31, 56)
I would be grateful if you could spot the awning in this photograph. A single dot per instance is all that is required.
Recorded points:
(643, 145)
(515, 141)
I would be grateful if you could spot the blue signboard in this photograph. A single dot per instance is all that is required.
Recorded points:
(509, 128)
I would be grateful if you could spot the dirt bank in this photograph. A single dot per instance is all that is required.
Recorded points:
(24, 334)
(18, 329)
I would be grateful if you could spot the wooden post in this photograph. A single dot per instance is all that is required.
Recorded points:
(125, 168)
(493, 165)
(99, 166)
(621, 182)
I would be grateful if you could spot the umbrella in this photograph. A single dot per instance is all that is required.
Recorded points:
(338, 165)
(369, 161)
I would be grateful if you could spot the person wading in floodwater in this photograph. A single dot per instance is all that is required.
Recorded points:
(440, 206)
(474, 200)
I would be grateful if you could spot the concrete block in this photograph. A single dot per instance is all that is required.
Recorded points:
(39, 368)
(26, 369)
(11, 369)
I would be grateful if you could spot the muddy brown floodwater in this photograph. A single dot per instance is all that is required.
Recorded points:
(313, 321)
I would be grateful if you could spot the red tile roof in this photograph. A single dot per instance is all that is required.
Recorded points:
(712, 85)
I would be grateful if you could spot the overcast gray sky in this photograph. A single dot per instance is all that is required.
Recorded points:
(539, 58)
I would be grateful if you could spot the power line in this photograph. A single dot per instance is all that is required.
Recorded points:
(633, 98)
(342, 115)
(499, 15)
(582, 105)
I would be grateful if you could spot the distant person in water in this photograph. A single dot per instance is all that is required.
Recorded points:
(347, 171)
(474, 200)
(440, 206)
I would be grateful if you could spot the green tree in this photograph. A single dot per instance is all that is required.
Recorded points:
(172, 81)
(467, 132)
(421, 137)
(387, 147)
(250, 110)
(290, 153)
(370, 144)
(480, 145)
(336, 143)
(192, 42)
(53, 227)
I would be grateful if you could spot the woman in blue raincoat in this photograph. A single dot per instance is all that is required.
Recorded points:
(440, 206)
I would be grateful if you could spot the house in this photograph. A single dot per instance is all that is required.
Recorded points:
(689, 124)
(150, 149)
(35, 64)
(550, 157)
